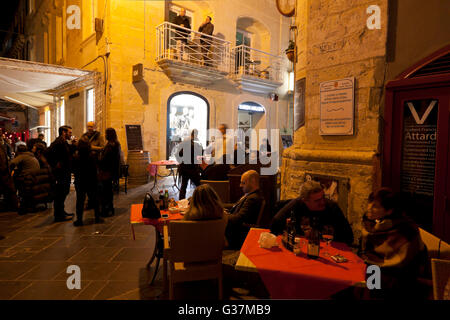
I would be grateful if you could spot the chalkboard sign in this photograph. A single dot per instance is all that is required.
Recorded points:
(134, 137)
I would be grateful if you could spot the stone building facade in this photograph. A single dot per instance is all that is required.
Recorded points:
(127, 37)
(334, 42)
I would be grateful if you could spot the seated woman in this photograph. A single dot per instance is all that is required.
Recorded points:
(392, 241)
(204, 204)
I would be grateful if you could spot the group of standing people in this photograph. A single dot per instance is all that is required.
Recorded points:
(42, 174)
(95, 164)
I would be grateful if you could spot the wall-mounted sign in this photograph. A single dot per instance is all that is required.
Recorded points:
(299, 103)
(337, 99)
(252, 108)
(134, 137)
(138, 72)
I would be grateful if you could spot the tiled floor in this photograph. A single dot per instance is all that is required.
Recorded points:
(35, 253)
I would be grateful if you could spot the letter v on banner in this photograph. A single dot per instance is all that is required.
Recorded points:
(425, 115)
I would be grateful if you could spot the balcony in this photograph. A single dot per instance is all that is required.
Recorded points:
(191, 57)
(255, 70)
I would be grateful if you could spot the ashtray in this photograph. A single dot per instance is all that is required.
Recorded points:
(338, 258)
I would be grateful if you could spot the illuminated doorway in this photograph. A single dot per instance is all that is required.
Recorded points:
(186, 111)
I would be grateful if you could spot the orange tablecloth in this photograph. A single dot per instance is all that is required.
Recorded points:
(136, 217)
(287, 276)
(153, 166)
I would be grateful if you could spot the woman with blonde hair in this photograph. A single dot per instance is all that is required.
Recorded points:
(204, 204)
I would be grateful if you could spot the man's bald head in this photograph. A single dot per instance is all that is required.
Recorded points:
(250, 181)
(90, 126)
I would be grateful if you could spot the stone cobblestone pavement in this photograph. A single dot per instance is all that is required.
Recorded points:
(35, 253)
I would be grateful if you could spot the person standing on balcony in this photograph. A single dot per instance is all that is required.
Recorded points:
(181, 35)
(207, 28)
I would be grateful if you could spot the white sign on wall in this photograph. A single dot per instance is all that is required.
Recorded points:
(337, 107)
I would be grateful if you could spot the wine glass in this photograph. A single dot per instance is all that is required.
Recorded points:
(327, 236)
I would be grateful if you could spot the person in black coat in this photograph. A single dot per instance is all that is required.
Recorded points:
(312, 204)
(6, 182)
(59, 156)
(109, 167)
(182, 21)
(188, 167)
(85, 169)
(245, 211)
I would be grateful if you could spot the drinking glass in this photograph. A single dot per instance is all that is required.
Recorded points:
(327, 236)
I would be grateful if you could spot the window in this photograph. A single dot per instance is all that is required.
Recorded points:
(243, 37)
(47, 118)
(90, 107)
(89, 12)
(60, 114)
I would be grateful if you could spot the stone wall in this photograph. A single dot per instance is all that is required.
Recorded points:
(334, 43)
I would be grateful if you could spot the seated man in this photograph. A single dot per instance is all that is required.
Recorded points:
(246, 210)
(312, 203)
(23, 164)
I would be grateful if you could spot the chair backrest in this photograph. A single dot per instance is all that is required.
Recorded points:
(222, 188)
(441, 278)
(196, 241)
(436, 247)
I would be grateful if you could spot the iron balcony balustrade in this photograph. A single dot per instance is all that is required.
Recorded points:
(255, 70)
(189, 56)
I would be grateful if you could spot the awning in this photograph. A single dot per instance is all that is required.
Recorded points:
(30, 83)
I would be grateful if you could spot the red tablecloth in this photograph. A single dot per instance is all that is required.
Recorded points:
(153, 166)
(136, 217)
(287, 276)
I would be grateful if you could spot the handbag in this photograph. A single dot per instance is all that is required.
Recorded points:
(150, 210)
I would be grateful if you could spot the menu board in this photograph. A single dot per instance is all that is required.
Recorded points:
(134, 137)
(419, 147)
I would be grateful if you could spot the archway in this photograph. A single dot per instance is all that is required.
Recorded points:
(250, 114)
(186, 111)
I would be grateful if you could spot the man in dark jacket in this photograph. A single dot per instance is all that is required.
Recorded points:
(312, 204)
(245, 211)
(23, 162)
(188, 168)
(207, 28)
(182, 35)
(39, 139)
(59, 156)
(6, 183)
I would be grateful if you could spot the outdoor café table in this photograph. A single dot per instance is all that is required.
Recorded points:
(287, 276)
(136, 218)
(169, 164)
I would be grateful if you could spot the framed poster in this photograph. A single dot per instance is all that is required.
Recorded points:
(337, 99)
(299, 103)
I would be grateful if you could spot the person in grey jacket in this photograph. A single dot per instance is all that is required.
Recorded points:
(207, 28)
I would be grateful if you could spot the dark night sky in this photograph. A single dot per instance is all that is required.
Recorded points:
(7, 9)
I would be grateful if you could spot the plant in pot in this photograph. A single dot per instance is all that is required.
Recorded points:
(290, 51)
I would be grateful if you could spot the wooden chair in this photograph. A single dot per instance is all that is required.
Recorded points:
(222, 188)
(194, 252)
(437, 248)
(260, 216)
(441, 279)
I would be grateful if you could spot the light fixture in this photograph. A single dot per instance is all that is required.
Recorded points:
(291, 82)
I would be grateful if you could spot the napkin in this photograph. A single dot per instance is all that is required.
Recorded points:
(267, 240)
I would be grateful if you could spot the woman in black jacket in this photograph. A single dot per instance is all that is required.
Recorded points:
(109, 166)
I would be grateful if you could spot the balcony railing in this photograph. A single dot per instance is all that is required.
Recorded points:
(257, 64)
(192, 48)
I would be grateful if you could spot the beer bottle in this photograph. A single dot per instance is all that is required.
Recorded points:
(161, 200)
(292, 232)
(314, 241)
(166, 200)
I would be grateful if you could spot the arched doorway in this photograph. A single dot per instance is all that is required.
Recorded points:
(250, 116)
(416, 140)
(186, 111)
